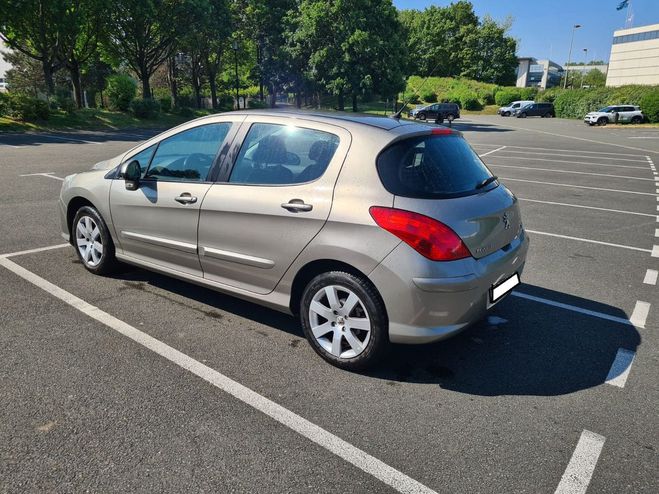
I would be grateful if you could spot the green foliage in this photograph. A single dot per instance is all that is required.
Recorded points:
(27, 108)
(68, 105)
(458, 90)
(121, 90)
(145, 108)
(505, 96)
(255, 103)
(429, 97)
(650, 105)
(594, 78)
(165, 103)
(4, 105)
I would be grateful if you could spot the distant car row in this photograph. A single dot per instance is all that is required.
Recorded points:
(523, 109)
(437, 112)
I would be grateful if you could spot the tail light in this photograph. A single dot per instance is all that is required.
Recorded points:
(429, 237)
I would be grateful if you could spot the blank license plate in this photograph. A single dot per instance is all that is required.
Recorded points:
(503, 288)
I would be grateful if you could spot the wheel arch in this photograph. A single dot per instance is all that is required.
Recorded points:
(72, 208)
(312, 269)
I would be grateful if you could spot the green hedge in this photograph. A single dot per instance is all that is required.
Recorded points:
(23, 107)
(121, 90)
(145, 108)
(575, 103)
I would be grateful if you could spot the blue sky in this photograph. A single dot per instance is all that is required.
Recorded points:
(543, 27)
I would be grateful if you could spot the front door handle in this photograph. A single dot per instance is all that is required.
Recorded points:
(186, 198)
(296, 206)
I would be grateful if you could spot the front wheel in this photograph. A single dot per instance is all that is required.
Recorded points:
(602, 121)
(422, 116)
(344, 320)
(521, 115)
(93, 243)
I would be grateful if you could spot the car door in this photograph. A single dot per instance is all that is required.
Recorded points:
(273, 198)
(158, 221)
(626, 113)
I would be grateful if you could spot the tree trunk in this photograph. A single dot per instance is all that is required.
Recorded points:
(213, 84)
(340, 102)
(48, 77)
(354, 103)
(273, 97)
(74, 70)
(298, 99)
(173, 85)
(146, 86)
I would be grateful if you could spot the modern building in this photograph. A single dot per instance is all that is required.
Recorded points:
(584, 69)
(542, 74)
(634, 56)
(4, 67)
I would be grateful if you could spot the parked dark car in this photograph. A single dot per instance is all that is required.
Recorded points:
(544, 110)
(436, 111)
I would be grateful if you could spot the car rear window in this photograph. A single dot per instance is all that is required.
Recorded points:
(432, 167)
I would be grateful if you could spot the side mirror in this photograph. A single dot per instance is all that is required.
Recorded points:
(131, 173)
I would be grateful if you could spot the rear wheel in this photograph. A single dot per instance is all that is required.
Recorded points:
(602, 121)
(548, 115)
(450, 117)
(506, 114)
(522, 115)
(93, 243)
(344, 320)
(422, 116)
(637, 119)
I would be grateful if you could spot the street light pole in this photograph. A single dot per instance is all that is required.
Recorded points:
(569, 57)
(585, 61)
(234, 45)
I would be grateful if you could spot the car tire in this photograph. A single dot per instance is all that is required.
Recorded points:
(637, 120)
(548, 115)
(450, 117)
(422, 116)
(92, 241)
(327, 321)
(602, 121)
(521, 115)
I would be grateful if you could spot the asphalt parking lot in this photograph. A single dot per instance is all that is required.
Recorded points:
(138, 382)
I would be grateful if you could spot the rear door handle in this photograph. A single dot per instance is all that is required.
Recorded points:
(296, 206)
(186, 198)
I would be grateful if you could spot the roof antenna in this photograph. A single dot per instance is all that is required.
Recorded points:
(396, 116)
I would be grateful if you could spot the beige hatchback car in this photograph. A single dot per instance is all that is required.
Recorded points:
(372, 230)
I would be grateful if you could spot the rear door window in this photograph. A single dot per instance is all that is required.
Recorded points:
(432, 167)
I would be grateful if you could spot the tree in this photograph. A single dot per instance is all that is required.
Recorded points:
(594, 78)
(30, 27)
(25, 75)
(141, 33)
(489, 55)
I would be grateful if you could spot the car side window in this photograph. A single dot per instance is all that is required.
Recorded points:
(143, 158)
(188, 155)
(274, 154)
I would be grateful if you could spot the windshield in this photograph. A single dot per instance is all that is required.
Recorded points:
(432, 167)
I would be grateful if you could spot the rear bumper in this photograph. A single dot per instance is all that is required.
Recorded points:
(429, 301)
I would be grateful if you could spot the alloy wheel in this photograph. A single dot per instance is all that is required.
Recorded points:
(339, 321)
(89, 241)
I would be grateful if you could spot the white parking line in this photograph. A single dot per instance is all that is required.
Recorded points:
(640, 314)
(586, 207)
(553, 154)
(307, 429)
(45, 174)
(651, 277)
(524, 158)
(577, 475)
(32, 251)
(573, 308)
(579, 186)
(620, 368)
(568, 237)
(567, 150)
(655, 248)
(493, 151)
(643, 137)
(554, 170)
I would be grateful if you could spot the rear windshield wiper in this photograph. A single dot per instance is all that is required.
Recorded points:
(487, 181)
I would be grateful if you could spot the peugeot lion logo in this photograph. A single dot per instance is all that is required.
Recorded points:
(506, 220)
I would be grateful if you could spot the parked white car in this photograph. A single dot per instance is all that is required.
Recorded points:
(506, 111)
(615, 114)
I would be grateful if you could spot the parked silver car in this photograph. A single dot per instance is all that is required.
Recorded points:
(372, 230)
(615, 114)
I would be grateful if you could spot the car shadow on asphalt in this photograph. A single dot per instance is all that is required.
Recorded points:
(77, 137)
(478, 127)
(522, 347)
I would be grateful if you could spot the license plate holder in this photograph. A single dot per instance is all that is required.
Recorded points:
(500, 290)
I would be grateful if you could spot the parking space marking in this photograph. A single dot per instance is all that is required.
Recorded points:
(554, 170)
(620, 368)
(580, 239)
(45, 174)
(579, 186)
(32, 251)
(493, 151)
(569, 162)
(577, 475)
(323, 438)
(573, 308)
(638, 160)
(585, 207)
(651, 277)
(567, 150)
(640, 314)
